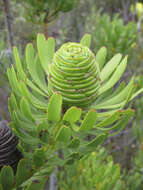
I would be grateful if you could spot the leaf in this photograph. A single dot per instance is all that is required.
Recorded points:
(63, 134)
(32, 67)
(89, 121)
(54, 107)
(37, 185)
(23, 136)
(39, 157)
(21, 173)
(101, 56)
(31, 98)
(97, 141)
(110, 67)
(136, 94)
(115, 77)
(119, 97)
(1, 187)
(43, 173)
(13, 81)
(12, 102)
(7, 178)
(35, 88)
(127, 114)
(112, 118)
(72, 114)
(86, 40)
(25, 109)
(23, 123)
(46, 50)
(74, 143)
(18, 64)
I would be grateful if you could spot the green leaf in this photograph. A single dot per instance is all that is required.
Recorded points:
(74, 143)
(22, 122)
(63, 134)
(111, 119)
(110, 67)
(13, 81)
(89, 121)
(12, 102)
(25, 109)
(32, 67)
(97, 141)
(7, 178)
(119, 97)
(115, 77)
(39, 157)
(37, 185)
(42, 130)
(101, 56)
(54, 107)
(31, 98)
(35, 88)
(126, 116)
(86, 40)
(21, 173)
(41, 174)
(18, 64)
(1, 187)
(72, 114)
(23, 136)
(46, 50)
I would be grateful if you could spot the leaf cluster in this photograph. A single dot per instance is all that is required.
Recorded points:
(114, 34)
(95, 171)
(45, 11)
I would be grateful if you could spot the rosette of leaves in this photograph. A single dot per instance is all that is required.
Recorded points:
(95, 171)
(65, 101)
(9, 154)
(114, 34)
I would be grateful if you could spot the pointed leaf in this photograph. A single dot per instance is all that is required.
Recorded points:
(18, 64)
(127, 114)
(115, 77)
(13, 81)
(118, 97)
(110, 67)
(54, 108)
(86, 40)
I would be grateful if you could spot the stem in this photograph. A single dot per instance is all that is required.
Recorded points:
(45, 29)
(8, 22)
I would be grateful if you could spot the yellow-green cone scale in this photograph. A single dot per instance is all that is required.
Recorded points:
(74, 74)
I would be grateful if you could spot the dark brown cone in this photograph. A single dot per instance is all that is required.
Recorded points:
(9, 154)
